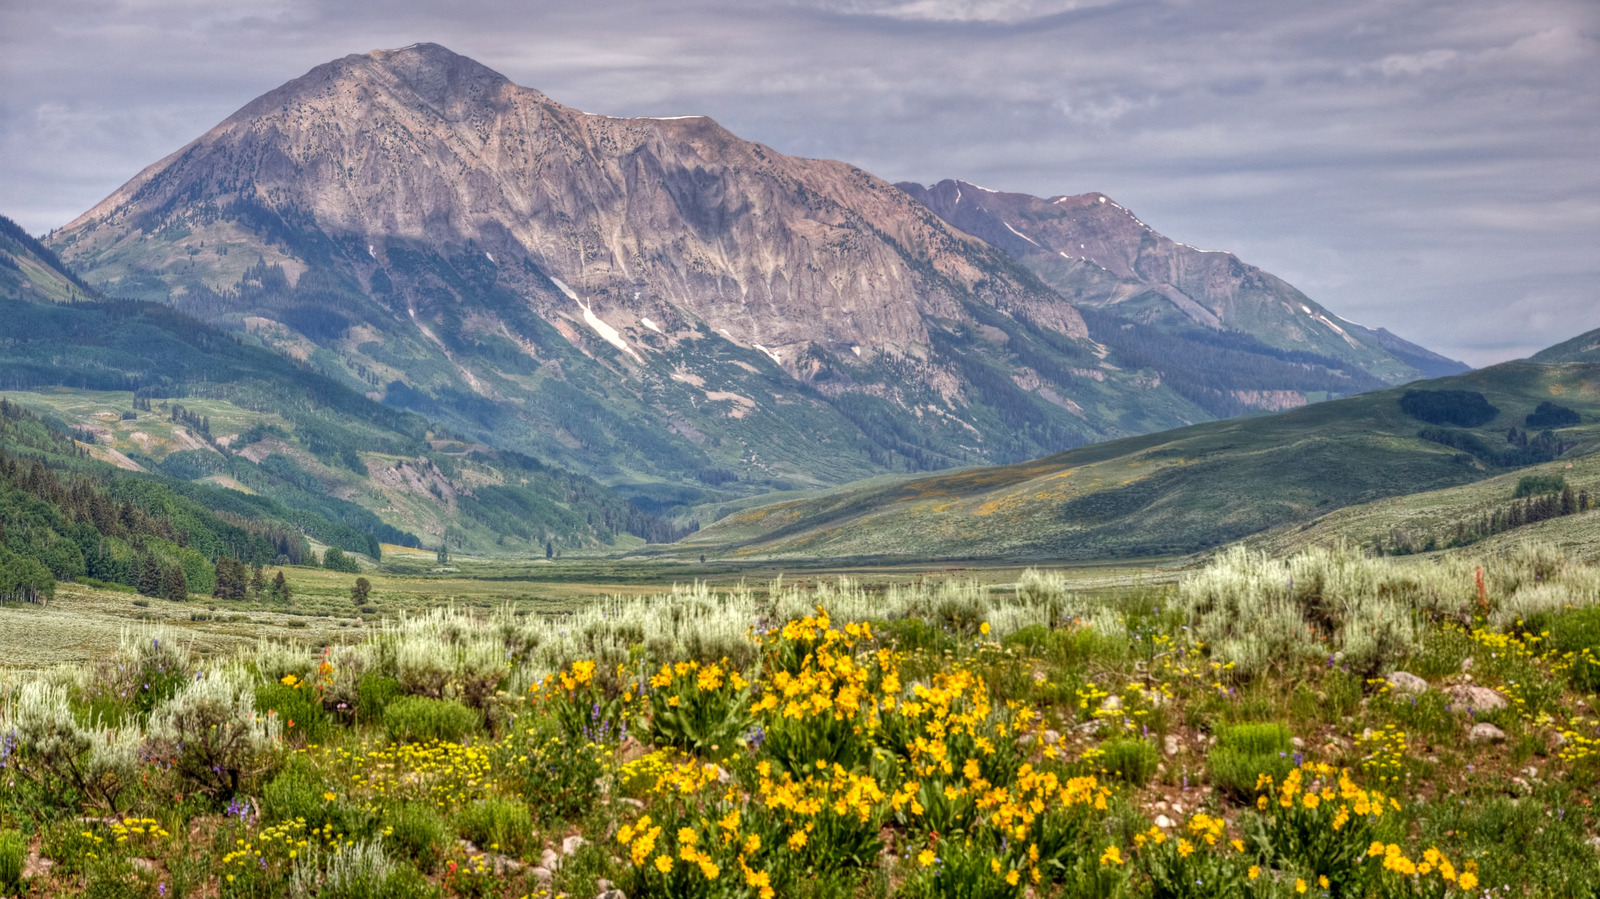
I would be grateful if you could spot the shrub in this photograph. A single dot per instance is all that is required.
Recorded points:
(417, 831)
(374, 693)
(418, 719)
(1576, 636)
(212, 735)
(13, 852)
(362, 871)
(1246, 751)
(503, 825)
(1128, 759)
(56, 754)
(336, 560)
(699, 708)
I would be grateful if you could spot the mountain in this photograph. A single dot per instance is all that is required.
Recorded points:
(679, 312)
(233, 426)
(1197, 487)
(1280, 348)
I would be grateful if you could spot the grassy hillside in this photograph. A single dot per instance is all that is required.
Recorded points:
(1188, 489)
(1583, 348)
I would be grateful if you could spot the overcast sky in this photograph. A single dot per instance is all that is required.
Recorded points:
(1429, 166)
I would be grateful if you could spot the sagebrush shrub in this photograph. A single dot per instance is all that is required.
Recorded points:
(212, 736)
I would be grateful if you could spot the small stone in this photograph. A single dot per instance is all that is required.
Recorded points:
(632, 803)
(542, 873)
(612, 894)
(1297, 744)
(1025, 740)
(1163, 822)
(1171, 745)
(549, 859)
(1594, 843)
(1484, 732)
(1466, 664)
(1407, 684)
(1052, 737)
(1366, 734)
(1530, 773)
(1479, 699)
(572, 844)
(1112, 703)
(1521, 786)
(37, 866)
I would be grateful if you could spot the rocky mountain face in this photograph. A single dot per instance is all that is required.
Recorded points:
(654, 301)
(1099, 256)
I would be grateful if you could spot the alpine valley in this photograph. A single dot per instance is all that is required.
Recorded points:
(679, 314)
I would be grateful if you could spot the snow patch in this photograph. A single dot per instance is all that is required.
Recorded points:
(669, 118)
(769, 353)
(1102, 199)
(488, 257)
(856, 350)
(562, 285)
(1306, 308)
(372, 252)
(606, 332)
(651, 325)
(1020, 234)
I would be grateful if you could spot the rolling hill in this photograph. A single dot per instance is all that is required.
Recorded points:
(1191, 488)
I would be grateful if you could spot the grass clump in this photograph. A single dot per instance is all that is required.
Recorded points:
(497, 824)
(13, 852)
(418, 719)
(418, 833)
(1246, 751)
(1129, 760)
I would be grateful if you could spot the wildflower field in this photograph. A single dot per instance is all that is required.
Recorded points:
(1327, 725)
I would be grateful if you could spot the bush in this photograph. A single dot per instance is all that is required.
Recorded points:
(13, 852)
(417, 831)
(502, 825)
(1246, 751)
(300, 792)
(1130, 760)
(213, 736)
(373, 696)
(417, 719)
(362, 871)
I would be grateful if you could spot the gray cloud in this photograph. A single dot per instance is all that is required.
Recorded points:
(1423, 165)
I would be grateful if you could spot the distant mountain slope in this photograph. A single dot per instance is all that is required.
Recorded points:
(1191, 488)
(654, 301)
(1098, 255)
(1583, 348)
(151, 389)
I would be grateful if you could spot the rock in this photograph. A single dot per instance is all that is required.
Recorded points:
(1112, 703)
(144, 864)
(1466, 664)
(1407, 684)
(1171, 745)
(572, 844)
(1297, 744)
(1177, 808)
(1052, 737)
(1521, 786)
(1089, 728)
(37, 866)
(1594, 843)
(1366, 734)
(550, 860)
(1163, 822)
(612, 894)
(632, 803)
(1478, 699)
(542, 873)
(1025, 740)
(1484, 732)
